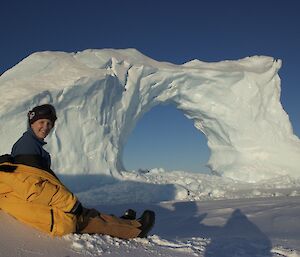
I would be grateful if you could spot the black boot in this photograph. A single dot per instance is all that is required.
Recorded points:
(147, 220)
(129, 215)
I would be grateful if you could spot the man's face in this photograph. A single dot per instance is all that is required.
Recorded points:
(42, 128)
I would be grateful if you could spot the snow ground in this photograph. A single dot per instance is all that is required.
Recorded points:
(241, 220)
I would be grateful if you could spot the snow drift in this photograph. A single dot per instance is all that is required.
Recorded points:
(100, 95)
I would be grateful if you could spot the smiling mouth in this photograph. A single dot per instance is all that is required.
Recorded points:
(44, 133)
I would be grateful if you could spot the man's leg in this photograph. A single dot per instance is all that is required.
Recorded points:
(93, 222)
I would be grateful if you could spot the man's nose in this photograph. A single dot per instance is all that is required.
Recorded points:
(46, 126)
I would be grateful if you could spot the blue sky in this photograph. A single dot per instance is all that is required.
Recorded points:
(169, 30)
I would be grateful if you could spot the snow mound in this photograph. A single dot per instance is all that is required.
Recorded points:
(158, 185)
(100, 95)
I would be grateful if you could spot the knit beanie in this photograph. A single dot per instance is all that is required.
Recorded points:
(45, 111)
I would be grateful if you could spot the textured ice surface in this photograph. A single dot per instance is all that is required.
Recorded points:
(100, 95)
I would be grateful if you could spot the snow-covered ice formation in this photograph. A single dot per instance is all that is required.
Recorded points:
(100, 95)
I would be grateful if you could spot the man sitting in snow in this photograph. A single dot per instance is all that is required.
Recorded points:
(31, 192)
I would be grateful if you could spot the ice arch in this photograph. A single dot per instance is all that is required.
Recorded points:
(101, 94)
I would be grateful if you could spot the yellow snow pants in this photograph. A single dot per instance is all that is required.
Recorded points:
(37, 198)
(40, 200)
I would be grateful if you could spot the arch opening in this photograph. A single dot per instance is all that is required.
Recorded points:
(165, 138)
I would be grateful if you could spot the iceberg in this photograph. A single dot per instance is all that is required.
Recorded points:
(100, 95)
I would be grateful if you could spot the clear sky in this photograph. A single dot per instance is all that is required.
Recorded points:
(165, 30)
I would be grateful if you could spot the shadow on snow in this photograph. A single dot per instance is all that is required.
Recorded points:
(238, 237)
(94, 190)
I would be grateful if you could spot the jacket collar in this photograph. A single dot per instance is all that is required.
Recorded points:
(31, 133)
